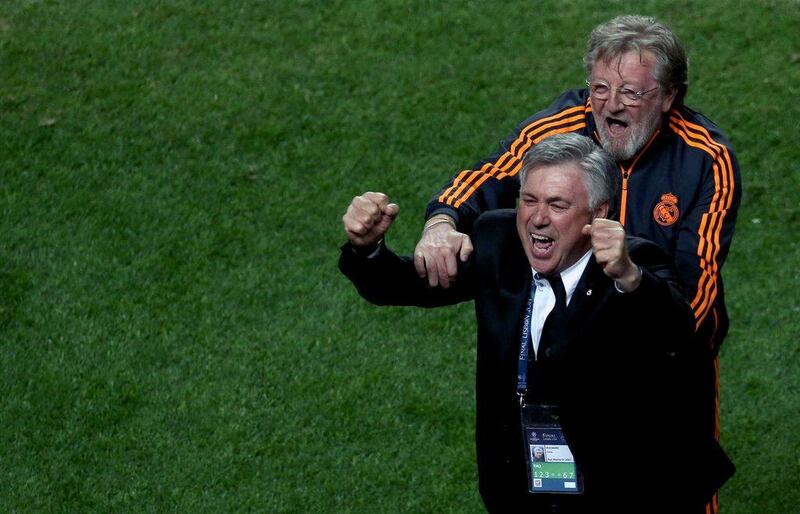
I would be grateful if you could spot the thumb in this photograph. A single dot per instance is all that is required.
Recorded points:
(388, 214)
(586, 230)
(391, 210)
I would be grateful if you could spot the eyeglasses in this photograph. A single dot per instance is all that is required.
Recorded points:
(626, 95)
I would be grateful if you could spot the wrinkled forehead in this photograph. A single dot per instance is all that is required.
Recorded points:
(638, 61)
(560, 179)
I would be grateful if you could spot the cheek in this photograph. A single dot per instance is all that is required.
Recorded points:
(570, 229)
(524, 214)
(643, 119)
(521, 230)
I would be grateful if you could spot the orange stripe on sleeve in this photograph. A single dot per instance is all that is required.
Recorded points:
(567, 115)
(450, 189)
(501, 175)
(471, 176)
(509, 163)
(711, 223)
(511, 167)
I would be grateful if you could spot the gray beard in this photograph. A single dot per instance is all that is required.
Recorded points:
(635, 142)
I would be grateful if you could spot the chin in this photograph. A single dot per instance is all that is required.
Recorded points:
(543, 267)
(620, 150)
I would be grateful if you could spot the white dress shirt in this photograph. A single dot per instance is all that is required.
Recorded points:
(544, 299)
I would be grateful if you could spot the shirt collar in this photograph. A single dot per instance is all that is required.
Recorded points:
(570, 276)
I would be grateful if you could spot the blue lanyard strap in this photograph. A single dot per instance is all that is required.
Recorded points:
(524, 345)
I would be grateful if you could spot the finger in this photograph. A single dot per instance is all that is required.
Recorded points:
(357, 220)
(367, 205)
(356, 228)
(607, 236)
(360, 239)
(466, 248)
(352, 236)
(391, 210)
(607, 246)
(361, 224)
(352, 224)
(372, 215)
(601, 255)
(610, 255)
(384, 223)
(441, 270)
(419, 263)
(605, 226)
(432, 270)
(604, 222)
(586, 230)
(451, 265)
(600, 241)
(379, 199)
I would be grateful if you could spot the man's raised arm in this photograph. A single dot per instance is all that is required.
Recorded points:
(381, 276)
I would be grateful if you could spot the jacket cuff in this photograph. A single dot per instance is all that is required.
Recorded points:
(443, 210)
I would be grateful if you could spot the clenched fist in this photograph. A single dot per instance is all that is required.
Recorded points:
(611, 252)
(368, 217)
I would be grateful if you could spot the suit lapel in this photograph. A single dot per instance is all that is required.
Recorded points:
(591, 291)
(514, 286)
(517, 286)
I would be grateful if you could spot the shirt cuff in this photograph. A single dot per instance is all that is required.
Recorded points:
(620, 290)
(368, 252)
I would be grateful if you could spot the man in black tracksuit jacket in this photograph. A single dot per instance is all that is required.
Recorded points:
(680, 184)
(681, 191)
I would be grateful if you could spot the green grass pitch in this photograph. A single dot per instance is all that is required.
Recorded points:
(174, 334)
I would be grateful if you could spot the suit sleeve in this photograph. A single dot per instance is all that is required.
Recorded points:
(390, 279)
(493, 182)
(660, 299)
(662, 376)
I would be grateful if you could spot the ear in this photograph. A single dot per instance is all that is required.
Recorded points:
(601, 211)
(669, 97)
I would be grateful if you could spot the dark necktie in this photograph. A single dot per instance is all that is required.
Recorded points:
(554, 324)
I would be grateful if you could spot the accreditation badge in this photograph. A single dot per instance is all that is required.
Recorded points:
(551, 467)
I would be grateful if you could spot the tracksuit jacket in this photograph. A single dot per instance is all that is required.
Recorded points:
(681, 190)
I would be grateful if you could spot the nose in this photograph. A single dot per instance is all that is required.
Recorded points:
(539, 217)
(614, 102)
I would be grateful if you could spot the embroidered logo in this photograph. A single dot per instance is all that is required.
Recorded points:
(666, 211)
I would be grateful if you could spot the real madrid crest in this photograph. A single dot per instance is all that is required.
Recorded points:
(666, 211)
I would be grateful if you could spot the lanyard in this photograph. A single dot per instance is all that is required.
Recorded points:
(524, 345)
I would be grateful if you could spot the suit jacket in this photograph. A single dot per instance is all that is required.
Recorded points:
(622, 372)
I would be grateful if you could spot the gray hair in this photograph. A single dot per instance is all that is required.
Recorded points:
(623, 34)
(600, 172)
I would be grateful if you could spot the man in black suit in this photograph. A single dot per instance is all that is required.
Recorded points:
(608, 346)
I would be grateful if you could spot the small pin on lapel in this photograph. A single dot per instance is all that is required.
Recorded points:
(589, 292)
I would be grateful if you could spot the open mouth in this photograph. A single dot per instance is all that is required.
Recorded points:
(616, 126)
(541, 243)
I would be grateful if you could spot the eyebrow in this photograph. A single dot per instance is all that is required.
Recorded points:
(624, 85)
(549, 199)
